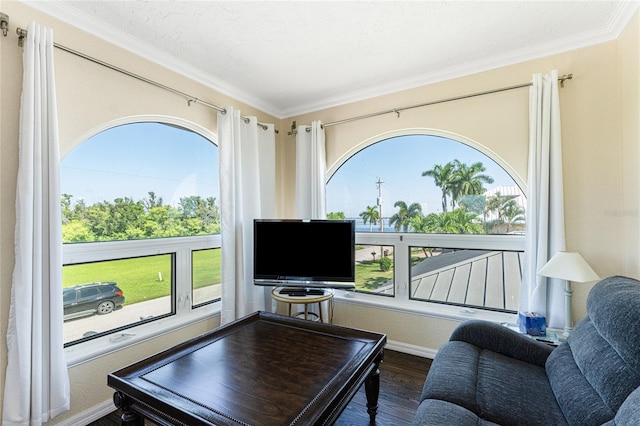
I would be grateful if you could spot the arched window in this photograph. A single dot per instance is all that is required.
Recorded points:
(141, 224)
(447, 206)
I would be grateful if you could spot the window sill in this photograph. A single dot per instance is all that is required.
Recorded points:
(96, 348)
(93, 349)
(435, 310)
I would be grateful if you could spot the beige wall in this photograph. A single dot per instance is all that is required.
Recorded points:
(629, 57)
(600, 132)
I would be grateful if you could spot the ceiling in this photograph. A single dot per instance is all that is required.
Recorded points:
(292, 57)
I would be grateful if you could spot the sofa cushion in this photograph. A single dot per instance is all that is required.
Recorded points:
(580, 403)
(602, 366)
(436, 412)
(503, 340)
(514, 392)
(452, 375)
(612, 306)
(629, 412)
(598, 367)
(495, 387)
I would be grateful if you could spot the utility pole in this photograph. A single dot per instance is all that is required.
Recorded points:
(379, 184)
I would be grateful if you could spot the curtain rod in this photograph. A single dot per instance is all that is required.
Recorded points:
(190, 99)
(294, 129)
(456, 98)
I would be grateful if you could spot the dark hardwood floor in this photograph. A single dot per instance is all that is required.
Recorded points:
(401, 380)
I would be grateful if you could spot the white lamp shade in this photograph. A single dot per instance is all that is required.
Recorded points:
(568, 266)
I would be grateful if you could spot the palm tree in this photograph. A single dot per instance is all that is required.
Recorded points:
(402, 219)
(512, 213)
(425, 224)
(457, 221)
(506, 209)
(468, 180)
(370, 215)
(444, 178)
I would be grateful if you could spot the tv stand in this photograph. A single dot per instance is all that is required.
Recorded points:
(304, 296)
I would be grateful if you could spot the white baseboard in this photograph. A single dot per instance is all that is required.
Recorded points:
(411, 349)
(91, 415)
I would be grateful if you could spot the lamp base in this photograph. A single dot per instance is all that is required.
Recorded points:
(568, 324)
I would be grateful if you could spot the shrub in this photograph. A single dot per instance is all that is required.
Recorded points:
(385, 264)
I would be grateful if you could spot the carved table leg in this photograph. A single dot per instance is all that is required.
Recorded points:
(128, 417)
(372, 389)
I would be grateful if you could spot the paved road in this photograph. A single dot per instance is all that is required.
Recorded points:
(128, 314)
(365, 252)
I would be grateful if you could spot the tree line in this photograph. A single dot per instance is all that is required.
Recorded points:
(129, 219)
(465, 208)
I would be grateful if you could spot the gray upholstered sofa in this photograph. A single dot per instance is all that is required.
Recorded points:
(488, 374)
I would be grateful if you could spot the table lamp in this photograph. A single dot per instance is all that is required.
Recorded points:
(569, 266)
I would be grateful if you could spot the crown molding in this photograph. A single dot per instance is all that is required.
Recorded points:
(620, 19)
(71, 16)
(613, 30)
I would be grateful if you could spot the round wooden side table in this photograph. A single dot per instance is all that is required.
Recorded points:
(305, 300)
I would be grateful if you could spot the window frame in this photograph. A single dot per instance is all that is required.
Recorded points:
(401, 301)
(180, 247)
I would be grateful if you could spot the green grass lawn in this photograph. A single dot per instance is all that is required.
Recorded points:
(139, 278)
(369, 277)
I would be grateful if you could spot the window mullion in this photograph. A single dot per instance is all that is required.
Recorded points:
(402, 266)
(183, 295)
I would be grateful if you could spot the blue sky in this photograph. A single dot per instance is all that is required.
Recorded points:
(399, 163)
(131, 160)
(134, 159)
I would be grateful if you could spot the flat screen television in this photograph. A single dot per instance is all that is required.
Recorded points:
(304, 253)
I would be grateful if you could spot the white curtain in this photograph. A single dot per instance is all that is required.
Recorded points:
(37, 380)
(545, 214)
(311, 172)
(247, 192)
(267, 158)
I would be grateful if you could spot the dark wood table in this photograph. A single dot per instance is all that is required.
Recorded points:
(264, 369)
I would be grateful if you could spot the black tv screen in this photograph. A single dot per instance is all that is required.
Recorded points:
(304, 253)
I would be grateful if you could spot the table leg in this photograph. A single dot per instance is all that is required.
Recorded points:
(320, 311)
(372, 389)
(128, 417)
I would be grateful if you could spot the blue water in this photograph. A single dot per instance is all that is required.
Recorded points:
(361, 227)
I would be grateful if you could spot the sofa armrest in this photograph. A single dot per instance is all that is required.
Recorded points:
(502, 340)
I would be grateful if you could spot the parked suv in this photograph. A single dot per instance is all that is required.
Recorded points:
(86, 299)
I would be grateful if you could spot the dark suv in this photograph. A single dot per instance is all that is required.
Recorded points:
(87, 299)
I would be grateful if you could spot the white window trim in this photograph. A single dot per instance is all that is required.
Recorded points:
(425, 131)
(135, 119)
(401, 301)
(185, 315)
(427, 309)
(92, 252)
